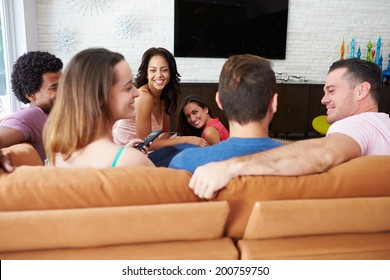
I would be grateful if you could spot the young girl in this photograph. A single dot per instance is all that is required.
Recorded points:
(95, 90)
(196, 118)
(158, 84)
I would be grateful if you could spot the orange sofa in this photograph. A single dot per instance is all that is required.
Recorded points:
(150, 213)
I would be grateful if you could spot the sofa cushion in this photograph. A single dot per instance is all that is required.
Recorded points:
(105, 226)
(22, 154)
(373, 246)
(285, 218)
(217, 249)
(39, 187)
(367, 176)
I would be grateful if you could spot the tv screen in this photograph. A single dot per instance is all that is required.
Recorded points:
(220, 28)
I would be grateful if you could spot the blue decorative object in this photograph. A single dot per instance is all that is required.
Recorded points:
(359, 53)
(378, 50)
(352, 48)
(380, 62)
(386, 73)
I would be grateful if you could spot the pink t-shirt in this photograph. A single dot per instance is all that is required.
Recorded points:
(30, 122)
(223, 132)
(370, 130)
(125, 130)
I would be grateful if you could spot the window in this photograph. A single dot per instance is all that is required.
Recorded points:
(4, 93)
(18, 35)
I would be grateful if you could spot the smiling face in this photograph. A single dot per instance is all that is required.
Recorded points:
(158, 73)
(196, 115)
(46, 95)
(123, 93)
(339, 97)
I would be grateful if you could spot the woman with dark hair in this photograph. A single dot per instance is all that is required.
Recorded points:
(169, 77)
(158, 84)
(196, 119)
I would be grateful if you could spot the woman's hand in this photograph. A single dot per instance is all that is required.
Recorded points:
(132, 143)
(200, 142)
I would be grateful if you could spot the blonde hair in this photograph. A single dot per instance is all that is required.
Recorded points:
(81, 113)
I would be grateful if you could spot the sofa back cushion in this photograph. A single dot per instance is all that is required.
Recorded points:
(39, 187)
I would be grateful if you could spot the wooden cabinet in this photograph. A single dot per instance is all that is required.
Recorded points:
(315, 107)
(291, 117)
(298, 105)
(384, 99)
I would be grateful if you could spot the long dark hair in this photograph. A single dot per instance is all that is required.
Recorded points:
(184, 128)
(171, 91)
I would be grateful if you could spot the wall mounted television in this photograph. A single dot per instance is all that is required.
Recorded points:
(220, 28)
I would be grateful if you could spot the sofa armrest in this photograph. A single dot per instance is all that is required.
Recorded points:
(22, 154)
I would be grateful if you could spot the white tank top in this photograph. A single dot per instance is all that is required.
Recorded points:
(125, 130)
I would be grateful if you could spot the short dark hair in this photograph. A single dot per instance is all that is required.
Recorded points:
(183, 127)
(171, 91)
(359, 71)
(28, 70)
(246, 86)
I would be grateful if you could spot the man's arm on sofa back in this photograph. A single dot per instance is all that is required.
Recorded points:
(22, 154)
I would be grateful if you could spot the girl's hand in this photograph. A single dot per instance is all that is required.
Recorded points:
(132, 143)
(200, 142)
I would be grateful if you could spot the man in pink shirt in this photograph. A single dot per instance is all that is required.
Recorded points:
(351, 98)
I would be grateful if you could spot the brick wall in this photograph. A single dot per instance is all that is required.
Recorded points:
(315, 32)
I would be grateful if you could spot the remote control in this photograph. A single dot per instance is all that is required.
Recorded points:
(148, 139)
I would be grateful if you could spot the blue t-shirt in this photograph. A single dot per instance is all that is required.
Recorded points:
(189, 159)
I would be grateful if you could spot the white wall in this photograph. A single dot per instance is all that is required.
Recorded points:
(315, 32)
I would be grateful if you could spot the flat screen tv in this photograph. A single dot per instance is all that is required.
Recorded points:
(220, 28)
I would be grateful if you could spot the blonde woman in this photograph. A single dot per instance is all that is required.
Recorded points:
(95, 90)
